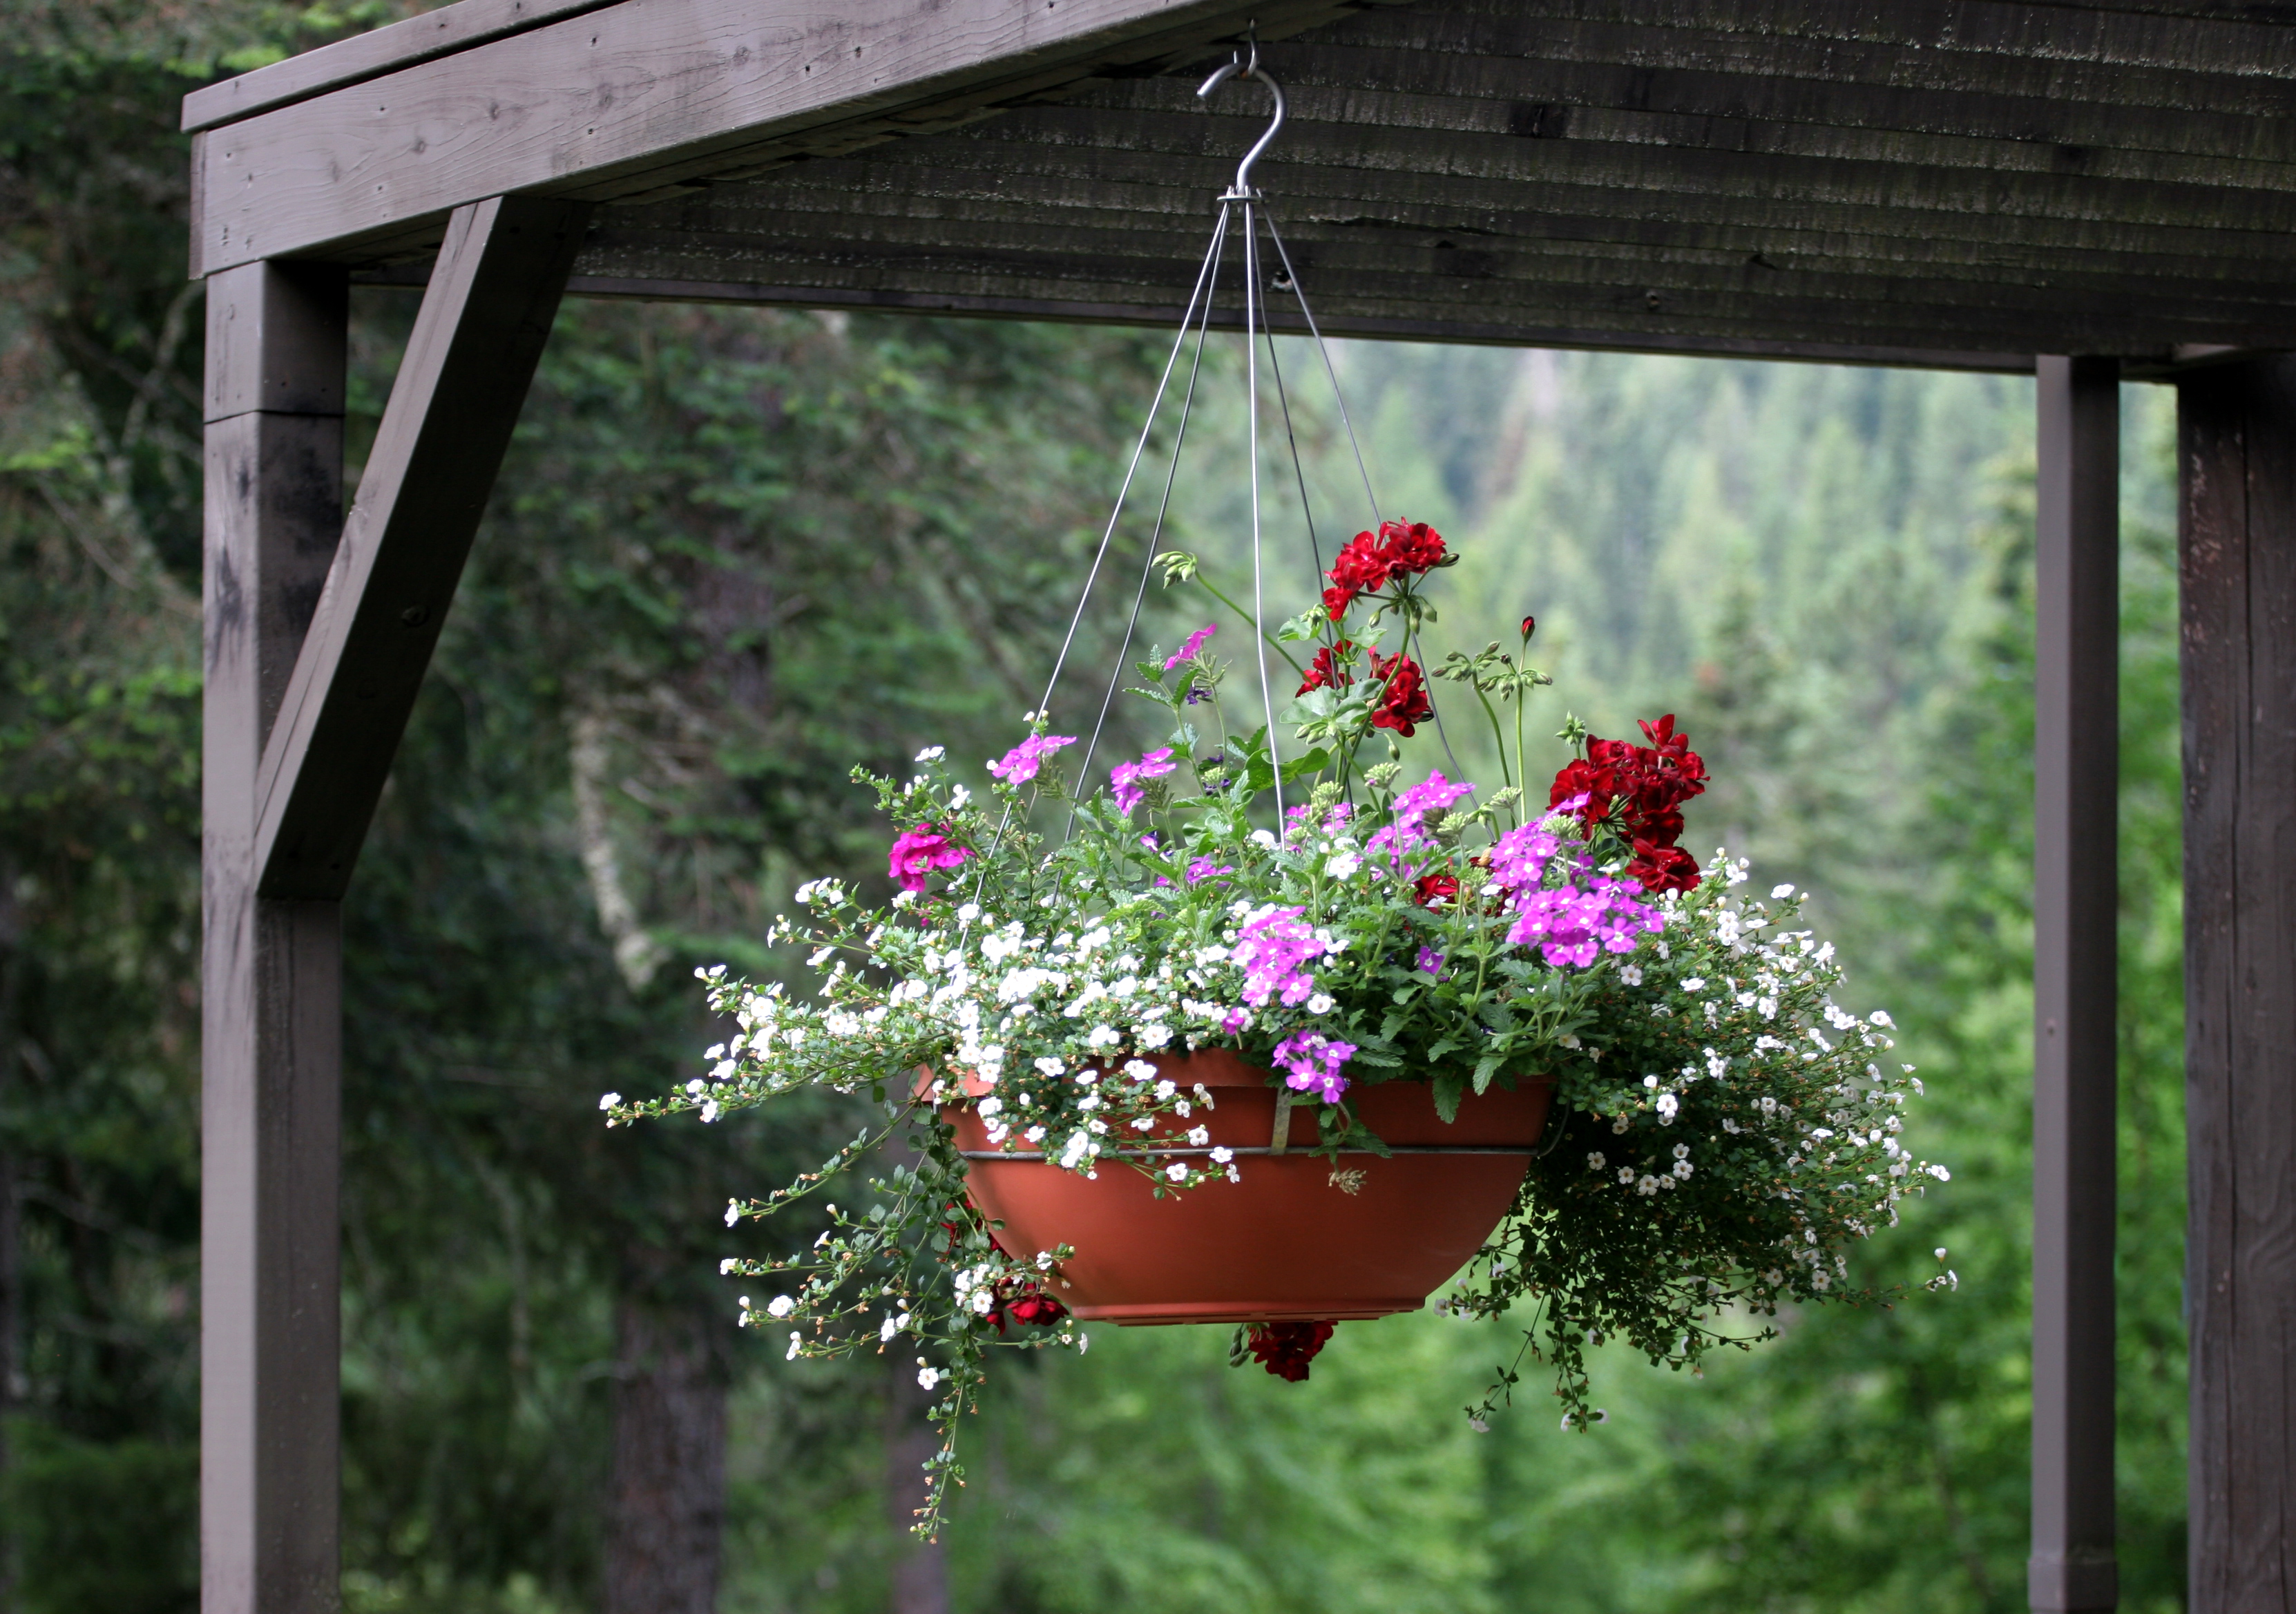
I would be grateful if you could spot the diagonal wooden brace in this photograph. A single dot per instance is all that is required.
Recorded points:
(485, 317)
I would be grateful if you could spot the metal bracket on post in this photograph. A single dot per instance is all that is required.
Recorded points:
(2076, 766)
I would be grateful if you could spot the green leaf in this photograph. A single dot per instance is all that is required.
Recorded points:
(1486, 1068)
(1449, 1089)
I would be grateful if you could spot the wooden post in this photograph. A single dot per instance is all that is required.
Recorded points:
(2236, 429)
(271, 1039)
(318, 631)
(2076, 768)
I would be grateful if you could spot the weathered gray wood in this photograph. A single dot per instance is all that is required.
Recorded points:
(369, 55)
(2237, 470)
(633, 87)
(2076, 768)
(484, 320)
(270, 1038)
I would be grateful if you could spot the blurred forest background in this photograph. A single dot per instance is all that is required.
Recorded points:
(736, 552)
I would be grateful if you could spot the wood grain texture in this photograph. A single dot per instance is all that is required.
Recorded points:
(270, 1019)
(476, 340)
(369, 55)
(604, 98)
(2237, 542)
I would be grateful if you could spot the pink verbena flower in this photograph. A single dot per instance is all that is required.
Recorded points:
(1273, 947)
(1124, 778)
(1204, 868)
(1406, 831)
(1196, 643)
(1313, 1061)
(1430, 961)
(1020, 764)
(1520, 857)
(918, 852)
(1570, 925)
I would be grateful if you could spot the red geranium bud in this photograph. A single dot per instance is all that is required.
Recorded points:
(1529, 626)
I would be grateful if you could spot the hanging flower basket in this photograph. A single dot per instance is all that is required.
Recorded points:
(1278, 911)
(1297, 1236)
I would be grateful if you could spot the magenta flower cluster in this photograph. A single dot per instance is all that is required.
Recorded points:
(1406, 832)
(1275, 946)
(1573, 923)
(1124, 779)
(1019, 764)
(1312, 1061)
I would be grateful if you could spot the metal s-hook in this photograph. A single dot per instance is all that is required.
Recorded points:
(1237, 67)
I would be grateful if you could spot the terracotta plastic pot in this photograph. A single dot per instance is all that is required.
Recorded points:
(1292, 1239)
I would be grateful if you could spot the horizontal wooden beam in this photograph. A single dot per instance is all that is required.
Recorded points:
(484, 319)
(370, 55)
(610, 102)
(1165, 315)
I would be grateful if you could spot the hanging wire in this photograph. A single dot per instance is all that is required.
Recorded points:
(1164, 506)
(1323, 351)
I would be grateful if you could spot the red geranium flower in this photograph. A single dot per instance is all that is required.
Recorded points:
(1433, 888)
(1640, 789)
(1287, 1347)
(1408, 549)
(1324, 671)
(1405, 704)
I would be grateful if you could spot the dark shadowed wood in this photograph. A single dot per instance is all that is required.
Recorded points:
(667, 1491)
(2237, 470)
(270, 1009)
(2076, 768)
(484, 320)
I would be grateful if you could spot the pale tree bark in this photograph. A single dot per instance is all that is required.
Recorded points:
(920, 1568)
(666, 1494)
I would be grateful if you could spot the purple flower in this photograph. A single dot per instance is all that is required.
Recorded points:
(1234, 1020)
(1196, 643)
(1020, 764)
(1313, 1062)
(1574, 926)
(1273, 947)
(1431, 960)
(1204, 868)
(1124, 778)
(1406, 831)
(1519, 857)
(918, 852)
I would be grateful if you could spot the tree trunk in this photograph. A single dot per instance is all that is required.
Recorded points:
(667, 1491)
(920, 1568)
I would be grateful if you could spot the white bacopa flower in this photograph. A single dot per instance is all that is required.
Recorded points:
(1682, 1151)
(1104, 1036)
(888, 1328)
(1693, 983)
(732, 1212)
(1779, 894)
(1880, 1017)
(1626, 1174)
(1074, 1149)
(1320, 1004)
(608, 1100)
(1200, 1136)
(990, 1105)
(1340, 864)
(1222, 1155)
(1682, 1170)
(1594, 1161)
(1035, 1134)
(1618, 1125)
(1631, 974)
(780, 1305)
(928, 1378)
(1176, 1171)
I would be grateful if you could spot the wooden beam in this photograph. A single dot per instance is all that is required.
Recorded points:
(2076, 768)
(1164, 316)
(476, 340)
(648, 86)
(2236, 431)
(270, 1006)
(370, 55)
